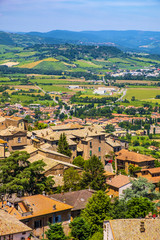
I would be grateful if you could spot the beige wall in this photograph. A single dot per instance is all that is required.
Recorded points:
(17, 236)
(91, 147)
(65, 219)
(59, 170)
(112, 192)
(20, 123)
(54, 156)
(17, 140)
(125, 164)
(2, 125)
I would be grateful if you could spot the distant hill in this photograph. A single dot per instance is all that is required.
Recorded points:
(140, 41)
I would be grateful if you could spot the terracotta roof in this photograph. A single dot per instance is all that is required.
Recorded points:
(39, 205)
(119, 181)
(2, 119)
(29, 148)
(67, 126)
(58, 180)
(52, 152)
(78, 199)
(11, 225)
(125, 155)
(154, 179)
(130, 229)
(152, 170)
(50, 162)
(14, 118)
(113, 143)
(11, 130)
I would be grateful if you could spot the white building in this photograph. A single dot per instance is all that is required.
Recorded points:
(73, 87)
(103, 90)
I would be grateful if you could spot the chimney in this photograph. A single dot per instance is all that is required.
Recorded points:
(142, 228)
(54, 207)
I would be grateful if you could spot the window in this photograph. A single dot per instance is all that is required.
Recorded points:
(99, 149)
(56, 219)
(99, 138)
(90, 152)
(10, 237)
(90, 144)
(99, 157)
(37, 224)
(50, 220)
(19, 140)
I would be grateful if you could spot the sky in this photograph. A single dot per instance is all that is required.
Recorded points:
(79, 15)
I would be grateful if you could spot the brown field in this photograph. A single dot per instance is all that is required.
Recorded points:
(33, 64)
(25, 87)
(137, 81)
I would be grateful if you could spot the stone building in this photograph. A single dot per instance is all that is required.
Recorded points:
(11, 228)
(15, 138)
(126, 229)
(36, 211)
(124, 158)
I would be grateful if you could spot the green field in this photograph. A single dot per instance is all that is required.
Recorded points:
(50, 88)
(142, 94)
(87, 64)
(56, 66)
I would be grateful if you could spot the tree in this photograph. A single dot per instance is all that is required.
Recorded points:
(79, 161)
(118, 210)
(18, 174)
(71, 179)
(63, 146)
(157, 163)
(55, 232)
(133, 98)
(141, 188)
(132, 169)
(93, 175)
(97, 236)
(97, 209)
(80, 228)
(38, 126)
(138, 207)
(135, 143)
(109, 128)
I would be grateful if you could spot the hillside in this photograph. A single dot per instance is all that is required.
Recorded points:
(59, 58)
(140, 41)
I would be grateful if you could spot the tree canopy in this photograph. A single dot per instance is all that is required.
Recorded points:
(55, 232)
(79, 161)
(18, 174)
(97, 209)
(71, 179)
(141, 188)
(138, 207)
(63, 146)
(93, 175)
(80, 229)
